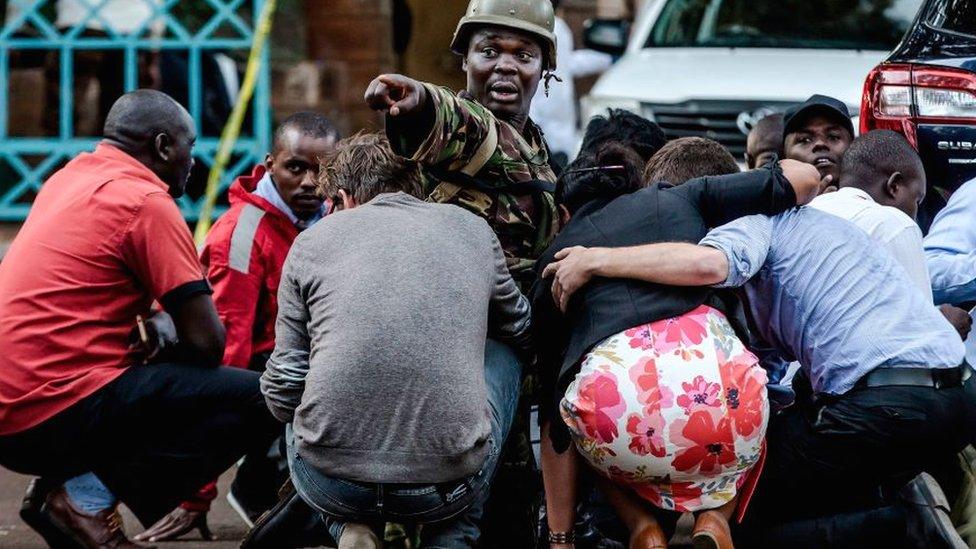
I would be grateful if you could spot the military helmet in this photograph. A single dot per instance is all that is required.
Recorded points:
(533, 16)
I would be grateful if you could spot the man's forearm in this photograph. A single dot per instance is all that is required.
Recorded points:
(283, 385)
(952, 278)
(675, 264)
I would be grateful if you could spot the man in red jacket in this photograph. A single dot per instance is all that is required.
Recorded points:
(243, 256)
(247, 246)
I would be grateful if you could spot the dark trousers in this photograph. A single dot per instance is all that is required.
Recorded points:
(153, 436)
(834, 464)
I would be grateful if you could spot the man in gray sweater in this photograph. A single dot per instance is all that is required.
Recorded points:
(379, 365)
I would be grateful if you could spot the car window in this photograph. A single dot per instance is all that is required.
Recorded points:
(842, 24)
(954, 15)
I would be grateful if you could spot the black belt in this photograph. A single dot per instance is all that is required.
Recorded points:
(937, 378)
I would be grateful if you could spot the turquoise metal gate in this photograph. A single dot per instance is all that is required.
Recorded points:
(32, 159)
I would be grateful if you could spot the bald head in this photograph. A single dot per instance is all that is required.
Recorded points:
(764, 140)
(157, 131)
(884, 164)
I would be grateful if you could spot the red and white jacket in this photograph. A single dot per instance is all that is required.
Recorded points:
(243, 256)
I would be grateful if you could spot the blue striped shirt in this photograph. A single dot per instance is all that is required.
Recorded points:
(950, 248)
(824, 294)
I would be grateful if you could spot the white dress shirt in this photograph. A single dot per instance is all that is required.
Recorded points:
(890, 227)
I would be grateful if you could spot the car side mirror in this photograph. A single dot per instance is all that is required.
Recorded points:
(606, 35)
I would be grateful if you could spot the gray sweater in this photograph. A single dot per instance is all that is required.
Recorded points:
(383, 312)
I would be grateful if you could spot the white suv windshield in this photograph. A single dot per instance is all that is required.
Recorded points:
(831, 24)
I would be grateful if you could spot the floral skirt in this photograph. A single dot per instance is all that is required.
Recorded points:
(675, 409)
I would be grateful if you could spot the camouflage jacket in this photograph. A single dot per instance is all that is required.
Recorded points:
(478, 162)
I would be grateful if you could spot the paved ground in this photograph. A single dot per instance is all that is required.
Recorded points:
(224, 522)
(14, 534)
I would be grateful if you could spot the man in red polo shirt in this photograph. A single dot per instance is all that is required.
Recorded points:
(243, 256)
(99, 418)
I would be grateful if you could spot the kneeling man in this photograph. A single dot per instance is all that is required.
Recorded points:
(380, 363)
(104, 400)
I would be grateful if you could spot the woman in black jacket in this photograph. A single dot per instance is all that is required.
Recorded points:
(653, 382)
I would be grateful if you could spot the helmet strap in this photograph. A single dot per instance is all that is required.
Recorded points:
(546, 77)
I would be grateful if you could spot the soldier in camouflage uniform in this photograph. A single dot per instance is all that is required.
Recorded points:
(480, 151)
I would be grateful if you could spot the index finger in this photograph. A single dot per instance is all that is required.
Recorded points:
(390, 80)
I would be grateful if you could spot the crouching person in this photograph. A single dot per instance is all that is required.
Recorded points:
(103, 406)
(383, 312)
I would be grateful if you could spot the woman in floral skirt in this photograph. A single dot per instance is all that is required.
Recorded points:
(675, 410)
(653, 384)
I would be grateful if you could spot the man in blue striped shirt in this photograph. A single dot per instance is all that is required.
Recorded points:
(890, 388)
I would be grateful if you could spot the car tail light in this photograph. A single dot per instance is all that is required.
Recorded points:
(900, 96)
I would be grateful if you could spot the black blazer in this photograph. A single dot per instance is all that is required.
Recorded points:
(660, 213)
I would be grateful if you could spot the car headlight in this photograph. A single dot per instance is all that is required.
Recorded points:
(591, 106)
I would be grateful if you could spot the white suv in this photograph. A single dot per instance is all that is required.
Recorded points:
(712, 68)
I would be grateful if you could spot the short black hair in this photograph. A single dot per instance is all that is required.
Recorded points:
(878, 152)
(689, 158)
(624, 127)
(307, 123)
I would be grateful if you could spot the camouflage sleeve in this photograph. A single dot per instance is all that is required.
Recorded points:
(464, 136)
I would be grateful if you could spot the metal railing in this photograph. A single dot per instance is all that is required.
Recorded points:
(54, 151)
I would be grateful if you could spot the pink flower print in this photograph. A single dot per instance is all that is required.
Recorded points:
(699, 394)
(599, 406)
(679, 332)
(649, 392)
(646, 434)
(666, 396)
(640, 337)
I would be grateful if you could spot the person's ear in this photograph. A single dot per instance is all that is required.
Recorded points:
(895, 180)
(163, 145)
(269, 162)
(348, 201)
(464, 63)
(564, 215)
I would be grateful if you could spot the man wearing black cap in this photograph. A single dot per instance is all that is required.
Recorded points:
(818, 131)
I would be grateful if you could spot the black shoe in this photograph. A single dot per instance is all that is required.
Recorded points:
(290, 523)
(247, 509)
(255, 486)
(32, 513)
(927, 514)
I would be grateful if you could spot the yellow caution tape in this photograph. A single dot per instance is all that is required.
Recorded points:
(232, 128)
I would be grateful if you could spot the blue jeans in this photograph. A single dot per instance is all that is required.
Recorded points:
(450, 511)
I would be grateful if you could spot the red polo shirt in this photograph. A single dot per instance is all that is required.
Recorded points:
(103, 240)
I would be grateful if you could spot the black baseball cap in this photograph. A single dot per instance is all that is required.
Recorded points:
(816, 104)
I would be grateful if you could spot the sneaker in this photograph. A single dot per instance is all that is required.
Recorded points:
(238, 504)
(927, 512)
